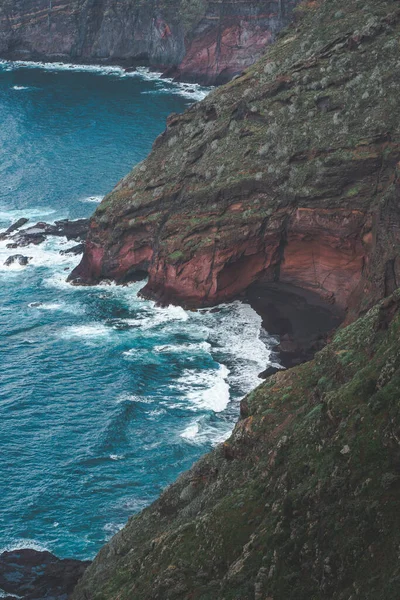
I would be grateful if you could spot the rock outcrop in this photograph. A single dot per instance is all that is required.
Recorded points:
(201, 40)
(36, 234)
(288, 174)
(38, 575)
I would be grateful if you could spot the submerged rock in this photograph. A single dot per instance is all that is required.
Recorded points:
(75, 250)
(32, 575)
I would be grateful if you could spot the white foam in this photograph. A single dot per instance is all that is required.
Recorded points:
(24, 543)
(199, 432)
(88, 332)
(93, 199)
(190, 433)
(125, 397)
(192, 91)
(20, 87)
(4, 594)
(237, 337)
(10, 216)
(207, 389)
(117, 456)
(47, 254)
(156, 316)
(113, 528)
(190, 348)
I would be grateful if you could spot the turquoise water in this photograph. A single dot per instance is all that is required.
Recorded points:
(104, 398)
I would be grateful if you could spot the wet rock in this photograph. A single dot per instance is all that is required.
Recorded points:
(20, 259)
(33, 575)
(36, 234)
(33, 236)
(20, 223)
(72, 230)
(78, 249)
(269, 371)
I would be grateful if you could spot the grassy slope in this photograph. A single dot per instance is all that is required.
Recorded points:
(302, 502)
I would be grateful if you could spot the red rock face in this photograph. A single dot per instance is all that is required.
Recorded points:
(289, 174)
(318, 250)
(215, 56)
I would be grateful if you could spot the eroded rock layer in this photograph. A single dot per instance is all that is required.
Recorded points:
(289, 173)
(201, 40)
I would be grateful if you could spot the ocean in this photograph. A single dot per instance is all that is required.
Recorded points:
(104, 397)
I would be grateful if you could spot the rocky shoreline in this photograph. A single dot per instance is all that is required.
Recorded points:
(202, 41)
(17, 237)
(282, 188)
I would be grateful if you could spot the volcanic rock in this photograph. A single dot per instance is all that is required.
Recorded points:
(33, 575)
(16, 258)
(20, 223)
(301, 502)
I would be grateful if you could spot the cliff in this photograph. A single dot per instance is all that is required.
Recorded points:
(198, 40)
(301, 503)
(289, 174)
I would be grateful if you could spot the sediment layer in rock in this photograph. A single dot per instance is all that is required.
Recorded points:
(287, 174)
(201, 40)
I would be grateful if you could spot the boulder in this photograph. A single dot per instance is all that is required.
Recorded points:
(17, 258)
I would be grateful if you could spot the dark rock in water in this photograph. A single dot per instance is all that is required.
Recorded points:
(17, 258)
(36, 234)
(34, 575)
(25, 239)
(20, 223)
(78, 249)
(269, 371)
(72, 230)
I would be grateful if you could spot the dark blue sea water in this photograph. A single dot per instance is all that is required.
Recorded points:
(104, 398)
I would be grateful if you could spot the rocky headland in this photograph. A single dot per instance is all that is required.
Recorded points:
(283, 183)
(281, 187)
(207, 41)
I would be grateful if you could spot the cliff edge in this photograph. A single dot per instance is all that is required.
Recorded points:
(287, 174)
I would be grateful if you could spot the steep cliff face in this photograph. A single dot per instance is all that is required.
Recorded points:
(301, 503)
(202, 40)
(288, 174)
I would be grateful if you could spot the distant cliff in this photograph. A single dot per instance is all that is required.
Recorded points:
(200, 40)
